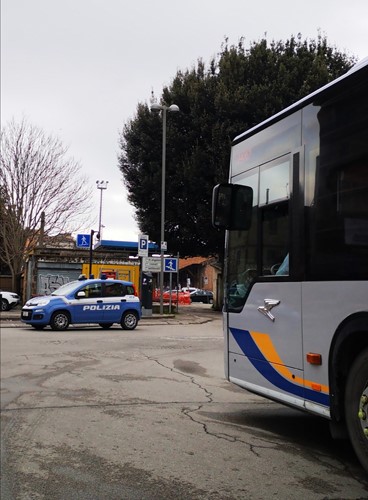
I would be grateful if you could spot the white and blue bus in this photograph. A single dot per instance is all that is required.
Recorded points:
(295, 212)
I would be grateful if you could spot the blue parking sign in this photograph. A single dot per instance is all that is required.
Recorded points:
(143, 245)
(83, 240)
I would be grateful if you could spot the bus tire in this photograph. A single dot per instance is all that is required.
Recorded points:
(356, 406)
(60, 320)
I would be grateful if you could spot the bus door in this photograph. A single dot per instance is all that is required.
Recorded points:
(265, 340)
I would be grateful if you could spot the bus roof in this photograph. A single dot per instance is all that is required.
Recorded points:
(301, 103)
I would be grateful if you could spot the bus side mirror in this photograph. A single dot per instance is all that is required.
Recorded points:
(232, 206)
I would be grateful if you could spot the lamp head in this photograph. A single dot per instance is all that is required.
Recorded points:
(156, 107)
(102, 184)
(174, 108)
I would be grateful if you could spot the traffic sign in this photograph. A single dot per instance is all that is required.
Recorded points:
(151, 264)
(83, 240)
(143, 245)
(170, 265)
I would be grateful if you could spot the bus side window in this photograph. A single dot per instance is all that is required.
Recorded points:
(275, 239)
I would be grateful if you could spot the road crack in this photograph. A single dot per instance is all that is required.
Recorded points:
(192, 413)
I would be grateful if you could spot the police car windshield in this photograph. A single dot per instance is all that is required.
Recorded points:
(67, 288)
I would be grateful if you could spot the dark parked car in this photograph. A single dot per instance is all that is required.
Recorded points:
(204, 296)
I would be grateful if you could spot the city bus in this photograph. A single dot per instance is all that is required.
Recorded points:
(295, 210)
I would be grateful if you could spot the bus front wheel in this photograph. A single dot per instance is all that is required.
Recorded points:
(356, 406)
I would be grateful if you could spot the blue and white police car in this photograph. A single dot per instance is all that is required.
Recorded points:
(101, 301)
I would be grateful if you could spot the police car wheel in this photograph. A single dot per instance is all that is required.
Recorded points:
(129, 320)
(59, 321)
(106, 325)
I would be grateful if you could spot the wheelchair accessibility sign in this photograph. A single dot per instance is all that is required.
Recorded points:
(170, 265)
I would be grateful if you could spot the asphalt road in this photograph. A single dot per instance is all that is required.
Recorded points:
(96, 414)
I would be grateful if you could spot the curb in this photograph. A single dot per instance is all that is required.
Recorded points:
(10, 319)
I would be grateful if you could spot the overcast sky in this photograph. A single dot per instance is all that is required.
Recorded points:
(78, 68)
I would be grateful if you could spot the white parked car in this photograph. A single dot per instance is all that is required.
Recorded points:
(9, 300)
(189, 289)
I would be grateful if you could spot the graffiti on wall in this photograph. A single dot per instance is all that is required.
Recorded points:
(48, 283)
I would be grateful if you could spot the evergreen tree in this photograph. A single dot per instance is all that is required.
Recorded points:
(239, 88)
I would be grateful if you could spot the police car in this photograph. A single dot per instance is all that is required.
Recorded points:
(104, 302)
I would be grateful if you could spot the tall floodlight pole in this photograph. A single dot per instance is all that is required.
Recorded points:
(164, 109)
(101, 185)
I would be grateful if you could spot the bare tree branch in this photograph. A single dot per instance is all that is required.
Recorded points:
(35, 177)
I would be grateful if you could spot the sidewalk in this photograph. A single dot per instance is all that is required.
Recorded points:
(188, 314)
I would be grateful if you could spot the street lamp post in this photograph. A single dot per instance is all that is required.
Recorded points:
(101, 185)
(93, 232)
(164, 109)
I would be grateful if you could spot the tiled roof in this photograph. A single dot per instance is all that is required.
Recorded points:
(190, 261)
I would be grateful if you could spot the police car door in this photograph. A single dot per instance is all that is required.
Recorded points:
(88, 306)
(114, 301)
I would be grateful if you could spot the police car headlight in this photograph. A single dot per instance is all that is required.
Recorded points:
(41, 302)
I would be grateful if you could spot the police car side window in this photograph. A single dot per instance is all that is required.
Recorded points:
(115, 290)
(92, 291)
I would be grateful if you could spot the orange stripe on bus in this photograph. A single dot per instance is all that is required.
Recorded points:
(265, 345)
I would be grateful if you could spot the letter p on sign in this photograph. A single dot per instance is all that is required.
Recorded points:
(143, 245)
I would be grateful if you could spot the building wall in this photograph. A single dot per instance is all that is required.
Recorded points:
(200, 271)
(49, 268)
(126, 271)
(51, 275)
(205, 274)
(6, 283)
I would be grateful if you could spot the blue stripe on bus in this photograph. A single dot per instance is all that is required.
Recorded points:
(264, 367)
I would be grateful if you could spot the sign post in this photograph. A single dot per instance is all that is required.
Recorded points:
(171, 266)
(90, 250)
